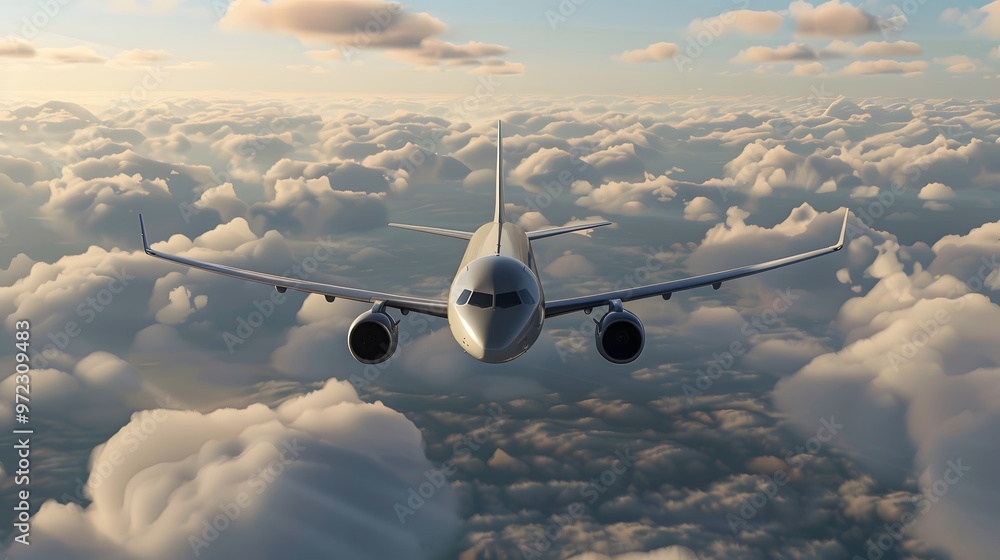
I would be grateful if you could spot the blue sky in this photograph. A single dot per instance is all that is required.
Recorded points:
(561, 48)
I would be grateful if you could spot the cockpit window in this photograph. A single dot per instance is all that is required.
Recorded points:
(463, 298)
(526, 296)
(480, 299)
(507, 300)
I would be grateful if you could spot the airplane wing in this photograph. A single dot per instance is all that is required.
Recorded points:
(551, 232)
(436, 231)
(664, 289)
(437, 308)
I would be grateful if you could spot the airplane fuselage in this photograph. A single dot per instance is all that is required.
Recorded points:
(496, 305)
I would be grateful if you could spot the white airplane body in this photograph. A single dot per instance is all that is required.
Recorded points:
(496, 306)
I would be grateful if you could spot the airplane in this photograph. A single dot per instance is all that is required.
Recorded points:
(496, 306)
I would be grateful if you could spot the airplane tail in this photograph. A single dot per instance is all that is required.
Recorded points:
(499, 214)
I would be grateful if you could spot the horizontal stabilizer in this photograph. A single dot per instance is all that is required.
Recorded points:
(542, 234)
(436, 231)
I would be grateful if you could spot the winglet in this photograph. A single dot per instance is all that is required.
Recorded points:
(145, 244)
(843, 231)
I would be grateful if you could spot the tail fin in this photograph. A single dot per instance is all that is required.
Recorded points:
(499, 215)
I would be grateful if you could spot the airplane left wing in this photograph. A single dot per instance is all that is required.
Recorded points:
(665, 289)
(437, 308)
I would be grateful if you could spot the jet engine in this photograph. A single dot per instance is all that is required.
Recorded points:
(619, 335)
(373, 336)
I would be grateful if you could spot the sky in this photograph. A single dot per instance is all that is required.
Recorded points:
(841, 408)
(557, 48)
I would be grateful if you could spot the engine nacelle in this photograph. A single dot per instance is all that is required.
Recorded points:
(620, 336)
(373, 336)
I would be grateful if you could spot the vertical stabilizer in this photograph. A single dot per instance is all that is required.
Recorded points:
(499, 216)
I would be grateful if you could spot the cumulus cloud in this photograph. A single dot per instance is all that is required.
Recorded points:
(988, 23)
(701, 209)
(908, 384)
(875, 49)
(313, 207)
(356, 25)
(71, 55)
(385, 24)
(228, 483)
(808, 69)
(745, 22)
(138, 57)
(652, 53)
(885, 66)
(788, 53)
(960, 64)
(16, 47)
(936, 191)
(836, 19)
(757, 159)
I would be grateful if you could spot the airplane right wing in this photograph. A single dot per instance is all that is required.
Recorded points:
(665, 289)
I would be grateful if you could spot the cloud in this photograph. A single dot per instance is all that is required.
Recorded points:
(908, 387)
(745, 22)
(354, 26)
(865, 67)
(307, 68)
(435, 51)
(936, 191)
(319, 472)
(875, 49)
(312, 206)
(71, 55)
(138, 57)
(835, 19)
(627, 197)
(808, 69)
(498, 66)
(135, 6)
(16, 47)
(988, 24)
(383, 24)
(960, 64)
(701, 209)
(789, 53)
(653, 53)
